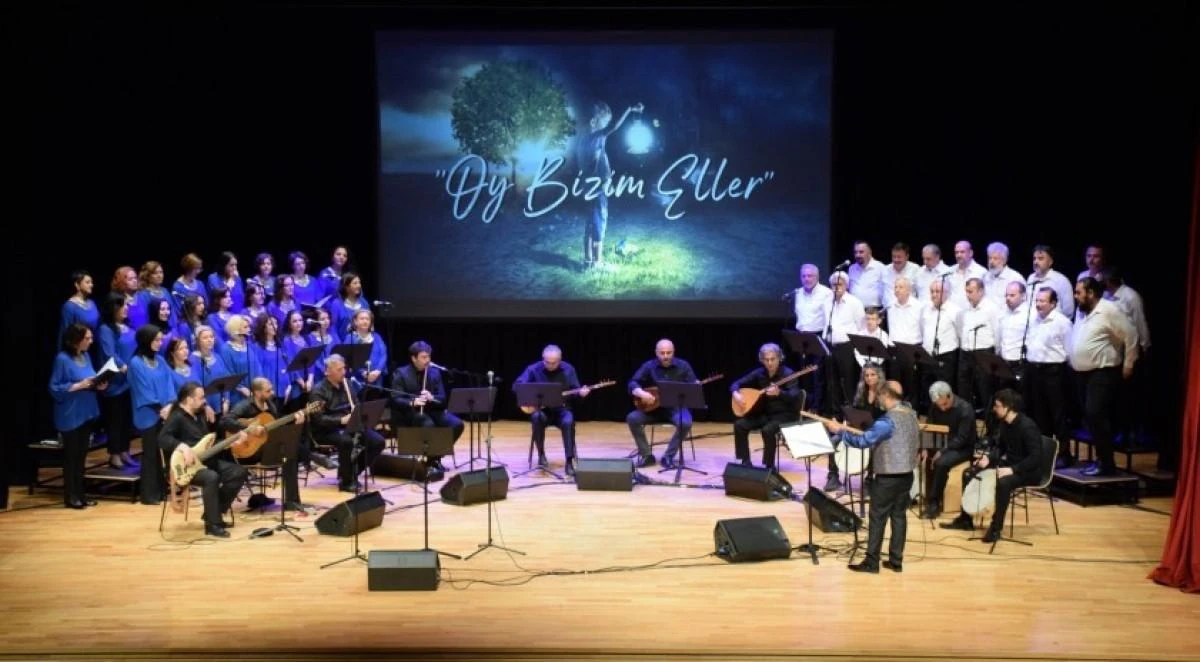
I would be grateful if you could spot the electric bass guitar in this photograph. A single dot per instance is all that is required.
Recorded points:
(529, 409)
(252, 443)
(182, 473)
(653, 391)
(750, 396)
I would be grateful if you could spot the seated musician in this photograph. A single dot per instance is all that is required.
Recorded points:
(221, 478)
(329, 426)
(1016, 457)
(776, 406)
(419, 400)
(957, 414)
(262, 399)
(868, 397)
(552, 369)
(665, 368)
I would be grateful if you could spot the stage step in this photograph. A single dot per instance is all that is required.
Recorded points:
(1071, 484)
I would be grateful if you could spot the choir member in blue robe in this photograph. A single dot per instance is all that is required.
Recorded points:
(189, 283)
(227, 276)
(125, 281)
(235, 351)
(151, 396)
(150, 280)
(73, 388)
(160, 316)
(208, 364)
(306, 289)
(79, 307)
(256, 300)
(117, 342)
(321, 336)
(222, 312)
(364, 332)
(267, 359)
(192, 318)
(331, 276)
(264, 264)
(349, 301)
(284, 301)
(293, 342)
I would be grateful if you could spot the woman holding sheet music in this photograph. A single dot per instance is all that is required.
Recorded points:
(117, 343)
(73, 386)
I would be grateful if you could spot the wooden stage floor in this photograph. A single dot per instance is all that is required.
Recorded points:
(605, 575)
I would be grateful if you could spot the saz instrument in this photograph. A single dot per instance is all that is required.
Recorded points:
(852, 461)
(816, 417)
(529, 409)
(750, 396)
(653, 391)
(251, 444)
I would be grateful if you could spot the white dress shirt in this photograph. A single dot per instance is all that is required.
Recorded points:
(846, 318)
(944, 328)
(1085, 273)
(957, 281)
(1047, 342)
(904, 320)
(1064, 288)
(979, 325)
(1012, 331)
(866, 283)
(1098, 340)
(811, 309)
(1130, 302)
(926, 276)
(881, 336)
(995, 284)
(909, 271)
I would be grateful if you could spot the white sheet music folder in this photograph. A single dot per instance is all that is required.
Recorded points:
(807, 439)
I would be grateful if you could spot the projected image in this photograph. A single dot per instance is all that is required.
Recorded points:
(588, 179)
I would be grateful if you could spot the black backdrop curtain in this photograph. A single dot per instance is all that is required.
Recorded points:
(150, 135)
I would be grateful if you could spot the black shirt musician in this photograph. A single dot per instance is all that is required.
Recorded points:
(954, 412)
(552, 369)
(775, 405)
(221, 478)
(419, 399)
(666, 367)
(329, 425)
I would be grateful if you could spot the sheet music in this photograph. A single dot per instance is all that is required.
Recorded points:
(808, 439)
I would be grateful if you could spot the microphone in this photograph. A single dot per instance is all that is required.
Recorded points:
(979, 326)
(491, 376)
(439, 367)
(843, 265)
(381, 304)
(312, 323)
(789, 295)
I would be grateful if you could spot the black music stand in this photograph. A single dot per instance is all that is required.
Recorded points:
(806, 343)
(310, 310)
(426, 441)
(364, 416)
(870, 347)
(223, 385)
(685, 395)
(993, 365)
(281, 448)
(469, 402)
(859, 419)
(539, 395)
(808, 454)
(357, 356)
(306, 357)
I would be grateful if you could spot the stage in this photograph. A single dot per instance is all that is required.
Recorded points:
(604, 575)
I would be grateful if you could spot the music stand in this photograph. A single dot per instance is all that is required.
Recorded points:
(869, 347)
(859, 419)
(364, 416)
(805, 441)
(685, 395)
(992, 364)
(280, 448)
(539, 395)
(223, 385)
(806, 343)
(472, 401)
(427, 441)
(306, 357)
(310, 310)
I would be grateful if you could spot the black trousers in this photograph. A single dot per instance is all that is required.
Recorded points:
(904, 371)
(351, 461)
(889, 503)
(768, 424)
(974, 385)
(219, 481)
(637, 420)
(151, 474)
(843, 378)
(74, 457)
(1132, 421)
(117, 410)
(1098, 390)
(410, 418)
(559, 417)
(1046, 401)
(941, 471)
(1004, 489)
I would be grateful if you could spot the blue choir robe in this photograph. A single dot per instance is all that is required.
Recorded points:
(72, 312)
(218, 321)
(310, 292)
(271, 363)
(341, 314)
(237, 292)
(268, 285)
(151, 390)
(377, 360)
(238, 362)
(183, 289)
(118, 346)
(208, 369)
(145, 298)
(72, 409)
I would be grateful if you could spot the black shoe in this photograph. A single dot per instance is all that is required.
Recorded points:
(832, 484)
(931, 511)
(570, 467)
(322, 460)
(990, 537)
(666, 462)
(77, 505)
(215, 530)
(259, 500)
(894, 567)
(961, 523)
(543, 462)
(647, 460)
(865, 566)
(746, 462)
(434, 473)
(349, 487)
(295, 506)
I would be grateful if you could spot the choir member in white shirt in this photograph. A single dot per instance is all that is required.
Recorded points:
(933, 269)
(1093, 257)
(866, 276)
(904, 326)
(1044, 273)
(999, 274)
(1010, 335)
(1045, 369)
(1136, 425)
(1102, 350)
(965, 268)
(900, 267)
(939, 337)
(845, 317)
(811, 303)
(978, 325)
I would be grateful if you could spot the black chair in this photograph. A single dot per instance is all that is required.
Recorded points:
(1020, 496)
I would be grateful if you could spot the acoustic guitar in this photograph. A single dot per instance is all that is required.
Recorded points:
(750, 396)
(653, 391)
(529, 409)
(251, 443)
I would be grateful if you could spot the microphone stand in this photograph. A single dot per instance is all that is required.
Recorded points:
(1028, 316)
(937, 323)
